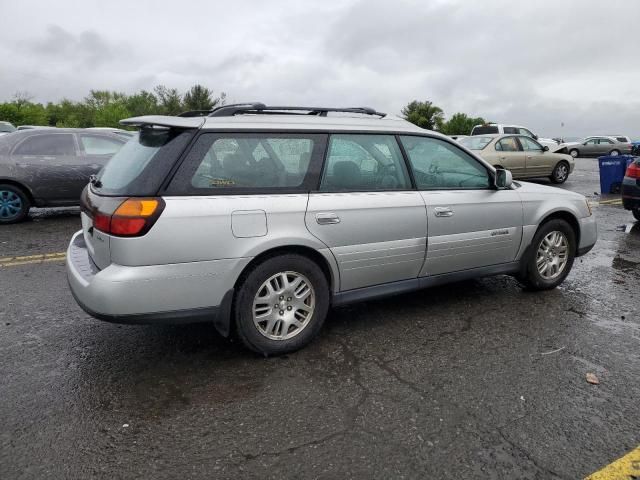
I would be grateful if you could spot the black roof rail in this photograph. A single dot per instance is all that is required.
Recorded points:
(194, 113)
(262, 109)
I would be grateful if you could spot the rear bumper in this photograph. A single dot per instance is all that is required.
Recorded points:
(588, 234)
(173, 293)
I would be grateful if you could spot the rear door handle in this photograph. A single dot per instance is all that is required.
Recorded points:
(443, 211)
(327, 218)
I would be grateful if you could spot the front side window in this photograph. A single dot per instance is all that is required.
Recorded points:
(508, 144)
(592, 141)
(237, 162)
(439, 165)
(58, 144)
(530, 145)
(364, 163)
(96, 145)
(524, 131)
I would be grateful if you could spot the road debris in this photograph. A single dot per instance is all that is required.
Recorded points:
(592, 379)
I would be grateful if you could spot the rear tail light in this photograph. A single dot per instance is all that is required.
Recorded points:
(633, 170)
(132, 218)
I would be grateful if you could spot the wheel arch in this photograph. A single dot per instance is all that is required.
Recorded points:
(27, 191)
(568, 217)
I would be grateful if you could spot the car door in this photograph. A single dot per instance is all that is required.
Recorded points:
(590, 147)
(367, 213)
(605, 145)
(536, 162)
(509, 155)
(47, 163)
(471, 224)
(95, 151)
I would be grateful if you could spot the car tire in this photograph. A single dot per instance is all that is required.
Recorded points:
(636, 213)
(14, 204)
(545, 266)
(574, 153)
(281, 290)
(560, 173)
(614, 153)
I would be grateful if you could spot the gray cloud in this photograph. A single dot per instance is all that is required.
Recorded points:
(537, 63)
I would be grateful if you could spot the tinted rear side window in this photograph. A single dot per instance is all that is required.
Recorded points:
(510, 130)
(43, 145)
(140, 167)
(622, 139)
(221, 163)
(485, 130)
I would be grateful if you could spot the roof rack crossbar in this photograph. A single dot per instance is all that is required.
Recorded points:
(261, 108)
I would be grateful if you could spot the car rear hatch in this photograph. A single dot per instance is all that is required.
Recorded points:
(122, 200)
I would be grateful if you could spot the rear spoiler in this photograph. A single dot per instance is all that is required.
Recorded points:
(164, 121)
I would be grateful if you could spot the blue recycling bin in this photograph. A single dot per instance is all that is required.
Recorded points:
(612, 170)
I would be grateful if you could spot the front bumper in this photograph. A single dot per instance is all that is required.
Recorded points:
(172, 293)
(588, 234)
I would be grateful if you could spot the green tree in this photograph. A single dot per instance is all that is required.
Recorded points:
(142, 103)
(461, 124)
(424, 114)
(169, 100)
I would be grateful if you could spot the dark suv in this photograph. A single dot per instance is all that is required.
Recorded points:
(49, 167)
(631, 188)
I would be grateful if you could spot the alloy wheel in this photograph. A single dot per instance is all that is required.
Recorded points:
(284, 305)
(552, 255)
(10, 205)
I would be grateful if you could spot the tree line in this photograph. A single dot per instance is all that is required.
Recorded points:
(105, 108)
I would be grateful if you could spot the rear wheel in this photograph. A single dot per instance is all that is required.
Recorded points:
(551, 256)
(574, 152)
(281, 304)
(560, 172)
(14, 204)
(636, 213)
(614, 153)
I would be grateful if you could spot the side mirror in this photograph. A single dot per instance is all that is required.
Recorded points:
(504, 179)
(535, 137)
(545, 148)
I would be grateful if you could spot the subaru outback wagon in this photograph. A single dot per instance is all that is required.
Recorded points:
(258, 219)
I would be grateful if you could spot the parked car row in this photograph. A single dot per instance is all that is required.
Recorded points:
(50, 167)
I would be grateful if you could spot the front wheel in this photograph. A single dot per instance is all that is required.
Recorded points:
(551, 256)
(636, 213)
(281, 304)
(614, 153)
(14, 204)
(560, 173)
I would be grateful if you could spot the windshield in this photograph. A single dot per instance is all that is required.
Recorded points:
(475, 143)
(141, 165)
(6, 127)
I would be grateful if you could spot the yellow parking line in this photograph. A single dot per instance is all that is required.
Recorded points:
(29, 259)
(611, 201)
(622, 469)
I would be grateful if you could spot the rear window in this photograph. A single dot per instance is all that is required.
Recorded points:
(475, 143)
(485, 130)
(250, 162)
(142, 164)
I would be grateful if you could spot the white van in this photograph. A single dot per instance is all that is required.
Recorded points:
(496, 128)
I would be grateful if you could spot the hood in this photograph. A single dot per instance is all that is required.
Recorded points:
(528, 187)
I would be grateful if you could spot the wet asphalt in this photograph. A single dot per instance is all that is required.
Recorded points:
(473, 380)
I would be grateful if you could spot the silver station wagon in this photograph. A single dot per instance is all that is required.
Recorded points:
(259, 219)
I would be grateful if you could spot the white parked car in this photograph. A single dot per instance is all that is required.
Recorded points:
(500, 129)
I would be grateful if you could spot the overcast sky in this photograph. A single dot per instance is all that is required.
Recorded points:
(536, 63)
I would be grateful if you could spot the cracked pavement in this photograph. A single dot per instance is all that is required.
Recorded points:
(477, 379)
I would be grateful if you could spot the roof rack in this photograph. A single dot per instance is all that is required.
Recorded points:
(262, 109)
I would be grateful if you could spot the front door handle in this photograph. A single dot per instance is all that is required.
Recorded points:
(327, 218)
(443, 211)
